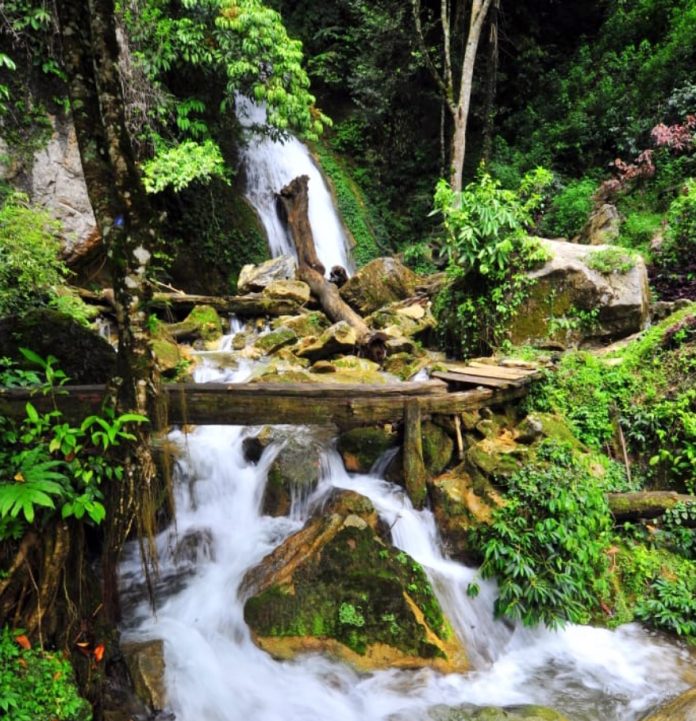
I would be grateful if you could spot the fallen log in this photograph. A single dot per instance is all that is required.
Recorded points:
(645, 504)
(294, 201)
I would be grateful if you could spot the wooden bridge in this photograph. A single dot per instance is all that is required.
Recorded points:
(457, 388)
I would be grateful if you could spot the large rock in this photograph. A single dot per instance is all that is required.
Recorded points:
(339, 338)
(202, 323)
(336, 587)
(410, 317)
(380, 282)
(360, 448)
(81, 352)
(305, 324)
(682, 708)
(146, 665)
(253, 278)
(292, 290)
(54, 180)
(602, 226)
(569, 302)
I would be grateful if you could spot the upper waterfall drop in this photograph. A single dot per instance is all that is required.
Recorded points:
(270, 165)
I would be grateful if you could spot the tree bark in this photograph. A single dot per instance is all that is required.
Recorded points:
(90, 52)
(294, 199)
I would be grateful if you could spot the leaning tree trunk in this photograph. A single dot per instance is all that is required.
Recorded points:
(294, 200)
(90, 52)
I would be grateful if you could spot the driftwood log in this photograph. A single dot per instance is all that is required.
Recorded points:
(294, 202)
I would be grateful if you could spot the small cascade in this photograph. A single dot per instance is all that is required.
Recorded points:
(270, 165)
(215, 672)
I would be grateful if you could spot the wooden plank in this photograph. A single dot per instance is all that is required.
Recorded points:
(473, 380)
(490, 371)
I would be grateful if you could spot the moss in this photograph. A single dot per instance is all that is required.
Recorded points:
(275, 340)
(353, 208)
(437, 448)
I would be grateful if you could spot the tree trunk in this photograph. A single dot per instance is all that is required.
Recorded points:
(90, 52)
(491, 82)
(645, 504)
(460, 116)
(294, 200)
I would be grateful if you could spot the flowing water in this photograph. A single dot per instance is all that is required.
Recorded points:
(270, 165)
(214, 672)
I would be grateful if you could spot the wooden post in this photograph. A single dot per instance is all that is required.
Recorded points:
(414, 467)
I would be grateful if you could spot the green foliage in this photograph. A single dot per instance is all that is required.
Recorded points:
(546, 546)
(350, 615)
(48, 465)
(488, 252)
(241, 45)
(178, 166)
(359, 217)
(680, 238)
(639, 228)
(677, 529)
(611, 260)
(30, 270)
(570, 209)
(36, 685)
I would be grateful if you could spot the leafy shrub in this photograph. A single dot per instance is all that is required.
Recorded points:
(546, 545)
(30, 270)
(671, 606)
(639, 228)
(178, 166)
(611, 260)
(36, 685)
(570, 209)
(680, 238)
(48, 465)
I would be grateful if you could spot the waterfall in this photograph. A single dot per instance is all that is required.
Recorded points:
(214, 672)
(270, 165)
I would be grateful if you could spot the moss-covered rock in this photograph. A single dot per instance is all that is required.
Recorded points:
(496, 713)
(255, 278)
(338, 588)
(410, 317)
(304, 325)
(145, 661)
(360, 448)
(338, 339)
(293, 290)
(405, 365)
(682, 708)
(81, 352)
(275, 340)
(203, 322)
(380, 282)
(437, 448)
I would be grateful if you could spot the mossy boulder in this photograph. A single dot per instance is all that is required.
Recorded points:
(360, 448)
(496, 713)
(349, 369)
(405, 365)
(411, 317)
(682, 708)
(569, 302)
(461, 501)
(336, 587)
(275, 340)
(380, 282)
(145, 661)
(292, 290)
(81, 352)
(338, 339)
(437, 448)
(254, 278)
(304, 325)
(168, 355)
(203, 322)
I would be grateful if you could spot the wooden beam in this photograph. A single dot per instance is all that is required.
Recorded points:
(415, 475)
(346, 406)
(254, 304)
(472, 380)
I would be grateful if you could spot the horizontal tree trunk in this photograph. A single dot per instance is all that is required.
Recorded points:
(645, 504)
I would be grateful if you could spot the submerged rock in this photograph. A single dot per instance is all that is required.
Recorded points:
(360, 448)
(253, 278)
(336, 587)
(570, 302)
(380, 282)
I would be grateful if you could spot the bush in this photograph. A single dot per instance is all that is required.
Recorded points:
(30, 270)
(680, 238)
(36, 685)
(570, 209)
(546, 546)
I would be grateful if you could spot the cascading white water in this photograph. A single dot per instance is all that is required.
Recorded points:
(270, 165)
(214, 671)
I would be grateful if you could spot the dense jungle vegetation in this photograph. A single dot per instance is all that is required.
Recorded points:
(574, 106)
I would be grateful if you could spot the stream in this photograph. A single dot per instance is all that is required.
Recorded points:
(214, 672)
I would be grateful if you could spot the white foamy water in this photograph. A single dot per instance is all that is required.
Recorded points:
(270, 165)
(214, 672)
